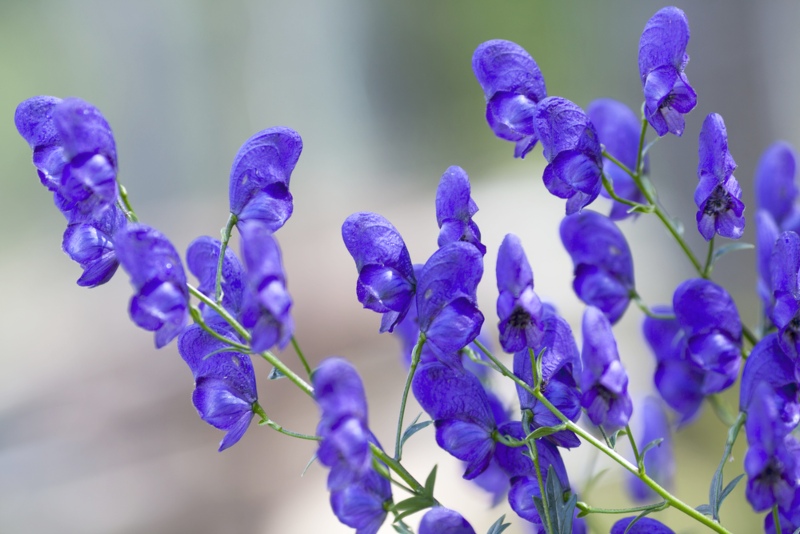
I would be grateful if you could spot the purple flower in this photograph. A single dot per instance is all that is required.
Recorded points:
(789, 520)
(602, 260)
(161, 301)
(662, 59)
(604, 381)
(718, 193)
(360, 505)
(202, 260)
(89, 243)
(785, 264)
(618, 129)
(768, 363)
(260, 174)
(266, 303)
(455, 208)
(659, 461)
(446, 300)
(440, 520)
(644, 525)
(225, 383)
(767, 233)
(512, 84)
(774, 184)
(386, 280)
(771, 462)
(518, 306)
(572, 151)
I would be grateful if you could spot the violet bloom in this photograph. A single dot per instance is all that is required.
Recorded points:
(775, 187)
(789, 520)
(572, 150)
(602, 260)
(260, 174)
(718, 194)
(771, 462)
(512, 84)
(161, 301)
(767, 233)
(785, 265)
(202, 260)
(604, 381)
(440, 520)
(644, 525)
(659, 461)
(386, 280)
(89, 244)
(446, 299)
(225, 384)
(455, 208)
(266, 303)
(662, 59)
(361, 505)
(618, 129)
(518, 306)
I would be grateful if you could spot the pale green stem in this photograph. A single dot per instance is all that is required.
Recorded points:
(414, 362)
(225, 233)
(300, 355)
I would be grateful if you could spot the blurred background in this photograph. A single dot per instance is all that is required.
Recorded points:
(97, 430)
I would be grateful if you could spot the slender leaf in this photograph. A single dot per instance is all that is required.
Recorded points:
(275, 374)
(402, 528)
(311, 461)
(498, 526)
(704, 509)
(729, 488)
(544, 431)
(430, 482)
(412, 429)
(733, 247)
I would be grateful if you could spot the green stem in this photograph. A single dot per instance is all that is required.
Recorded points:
(709, 258)
(675, 234)
(414, 362)
(125, 204)
(226, 236)
(395, 466)
(587, 509)
(613, 194)
(733, 433)
(749, 336)
(502, 369)
(637, 299)
(640, 151)
(776, 519)
(300, 355)
(265, 420)
(619, 164)
(198, 319)
(639, 459)
(546, 505)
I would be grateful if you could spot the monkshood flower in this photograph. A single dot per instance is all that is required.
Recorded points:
(789, 520)
(771, 462)
(767, 233)
(643, 525)
(439, 520)
(361, 505)
(774, 184)
(602, 260)
(662, 59)
(161, 301)
(73, 151)
(572, 150)
(260, 174)
(455, 208)
(266, 303)
(386, 281)
(446, 300)
(225, 383)
(89, 243)
(512, 84)
(202, 260)
(785, 264)
(659, 461)
(561, 364)
(719, 210)
(518, 306)
(604, 381)
(618, 129)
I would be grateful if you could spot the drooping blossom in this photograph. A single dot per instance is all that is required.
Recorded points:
(439, 520)
(202, 260)
(455, 208)
(386, 281)
(225, 384)
(518, 306)
(662, 60)
(719, 208)
(266, 303)
(160, 303)
(90, 244)
(659, 461)
(774, 184)
(260, 174)
(512, 84)
(767, 233)
(602, 260)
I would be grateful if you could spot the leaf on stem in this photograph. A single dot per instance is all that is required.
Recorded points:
(412, 429)
(732, 247)
(275, 374)
(498, 526)
(561, 512)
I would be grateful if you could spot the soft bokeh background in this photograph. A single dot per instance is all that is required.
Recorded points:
(97, 431)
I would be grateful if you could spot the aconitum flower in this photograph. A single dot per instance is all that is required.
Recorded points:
(518, 306)
(89, 243)
(718, 193)
(266, 303)
(602, 260)
(439, 520)
(659, 461)
(767, 233)
(361, 505)
(202, 260)
(572, 150)
(386, 281)
(512, 84)
(260, 174)
(785, 315)
(446, 299)
(161, 301)
(618, 129)
(604, 381)
(455, 208)
(775, 187)
(643, 525)
(225, 384)
(662, 59)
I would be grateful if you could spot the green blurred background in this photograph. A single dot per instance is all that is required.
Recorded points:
(97, 431)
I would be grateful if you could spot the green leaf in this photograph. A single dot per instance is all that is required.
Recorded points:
(311, 461)
(430, 482)
(704, 509)
(728, 489)
(544, 431)
(275, 374)
(561, 512)
(498, 526)
(733, 247)
(402, 528)
(412, 429)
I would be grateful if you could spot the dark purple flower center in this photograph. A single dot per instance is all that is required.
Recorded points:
(519, 318)
(718, 202)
